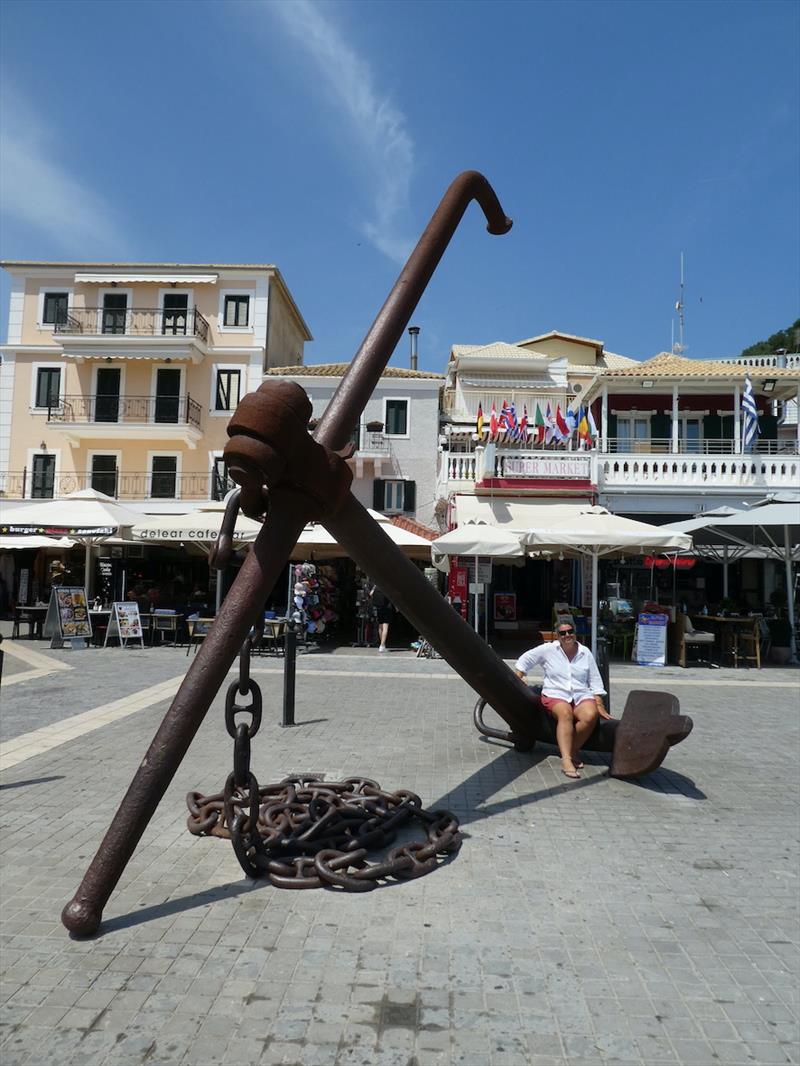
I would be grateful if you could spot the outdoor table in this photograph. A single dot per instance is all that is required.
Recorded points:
(33, 617)
(198, 627)
(274, 629)
(163, 623)
(730, 629)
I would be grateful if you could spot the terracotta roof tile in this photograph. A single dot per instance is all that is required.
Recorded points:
(667, 365)
(412, 526)
(337, 370)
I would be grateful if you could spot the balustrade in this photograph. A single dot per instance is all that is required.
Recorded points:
(134, 322)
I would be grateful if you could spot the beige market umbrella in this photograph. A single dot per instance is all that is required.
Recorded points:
(597, 532)
(86, 516)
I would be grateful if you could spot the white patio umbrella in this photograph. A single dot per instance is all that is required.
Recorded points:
(200, 527)
(315, 542)
(86, 516)
(496, 542)
(773, 528)
(597, 532)
(10, 544)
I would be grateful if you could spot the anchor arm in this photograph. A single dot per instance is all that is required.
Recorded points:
(363, 374)
(432, 615)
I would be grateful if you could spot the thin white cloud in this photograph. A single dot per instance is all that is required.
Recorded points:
(376, 126)
(37, 191)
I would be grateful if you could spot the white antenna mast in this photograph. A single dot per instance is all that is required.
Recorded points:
(680, 347)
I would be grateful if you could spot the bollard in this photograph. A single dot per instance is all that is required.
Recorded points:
(602, 663)
(289, 671)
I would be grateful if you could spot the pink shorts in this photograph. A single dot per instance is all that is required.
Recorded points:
(549, 701)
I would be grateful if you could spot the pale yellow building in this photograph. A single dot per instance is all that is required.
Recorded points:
(122, 376)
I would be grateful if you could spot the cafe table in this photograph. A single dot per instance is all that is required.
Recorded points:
(736, 633)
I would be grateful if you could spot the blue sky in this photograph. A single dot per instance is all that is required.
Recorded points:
(320, 137)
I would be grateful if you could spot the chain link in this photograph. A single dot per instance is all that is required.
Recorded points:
(313, 833)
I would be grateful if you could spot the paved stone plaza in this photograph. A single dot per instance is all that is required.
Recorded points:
(582, 922)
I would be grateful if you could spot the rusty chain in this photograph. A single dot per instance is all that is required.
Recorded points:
(305, 832)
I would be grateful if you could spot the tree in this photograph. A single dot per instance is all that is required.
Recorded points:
(788, 339)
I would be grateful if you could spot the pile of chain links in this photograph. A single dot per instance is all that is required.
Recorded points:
(304, 832)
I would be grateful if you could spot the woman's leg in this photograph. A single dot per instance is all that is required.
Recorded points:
(383, 632)
(565, 728)
(586, 716)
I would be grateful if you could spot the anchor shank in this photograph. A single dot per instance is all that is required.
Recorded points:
(356, 387)
(431, 614)
(262, 568)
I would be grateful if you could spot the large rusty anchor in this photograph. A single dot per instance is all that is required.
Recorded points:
(291, 478)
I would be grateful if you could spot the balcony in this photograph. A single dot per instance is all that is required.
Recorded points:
(698, 467)
(137, 332)
(175, 418)
(372, 446)
(136, 322)
(141, 485)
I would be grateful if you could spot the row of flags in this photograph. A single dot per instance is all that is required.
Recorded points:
(547, 426)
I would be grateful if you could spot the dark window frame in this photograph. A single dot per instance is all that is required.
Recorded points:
(228, 404)
(43, 476)
(156, 476)
(392, 413)
(46, 373)
(59, 312)
(237, 300)
(108, 478)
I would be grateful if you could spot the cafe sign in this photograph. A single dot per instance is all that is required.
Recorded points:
(559, 466)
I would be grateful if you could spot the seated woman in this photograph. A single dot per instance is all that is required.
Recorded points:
(572, 692)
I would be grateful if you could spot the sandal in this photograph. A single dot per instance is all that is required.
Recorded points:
(572, 774)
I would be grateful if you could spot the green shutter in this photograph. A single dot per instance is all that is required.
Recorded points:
(660, 427)
(377, 494)
(712, 427)
(768, 425)
(410, 496)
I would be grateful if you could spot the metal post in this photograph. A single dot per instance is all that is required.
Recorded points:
(602, 662)
(289, 672)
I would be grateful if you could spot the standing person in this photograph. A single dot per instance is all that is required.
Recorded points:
(383, 613)
(572, 692)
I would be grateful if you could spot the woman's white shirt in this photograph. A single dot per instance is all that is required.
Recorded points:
(567, 679)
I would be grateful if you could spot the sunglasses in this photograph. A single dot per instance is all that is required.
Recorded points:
(566, 632)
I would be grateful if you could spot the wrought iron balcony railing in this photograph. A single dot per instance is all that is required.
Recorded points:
(139, 485)
(126, 410)
(133, 322)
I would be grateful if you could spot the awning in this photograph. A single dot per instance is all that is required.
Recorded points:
(513, 513)
(160, 279)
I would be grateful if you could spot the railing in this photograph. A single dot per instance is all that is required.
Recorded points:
(134, 322)
(140, 410)
(373, 443)
(140, 485)
(686, 446)
(700, 472)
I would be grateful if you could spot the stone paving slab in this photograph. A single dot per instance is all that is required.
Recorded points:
(589, 922)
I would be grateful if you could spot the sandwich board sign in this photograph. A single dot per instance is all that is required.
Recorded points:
(650, 643)
(125, 623)
(67, 620)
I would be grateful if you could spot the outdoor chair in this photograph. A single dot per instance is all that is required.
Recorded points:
(698, 639)
(747, 644)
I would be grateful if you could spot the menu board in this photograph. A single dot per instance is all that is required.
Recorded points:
(505, 607)
(68, 616)
(650, 646)
(125, 623)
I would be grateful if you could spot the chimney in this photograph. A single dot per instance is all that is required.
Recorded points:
(413, 332)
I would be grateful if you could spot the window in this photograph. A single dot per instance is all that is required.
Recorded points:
(44, 477)
(237, 311)
(48, 386)
(54, 309)
(228, 389)
(104, 474)
(394, 497)
(221, 484)
(115, 309)
(397, 418)
(633, 433)
(164, 477)
(692, 434)
(175, 313)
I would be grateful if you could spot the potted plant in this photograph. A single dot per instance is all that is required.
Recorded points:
(780, 633)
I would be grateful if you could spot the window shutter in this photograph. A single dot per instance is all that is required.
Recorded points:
(410, 496)
(377, 494)
(612, 425)
(727, 427)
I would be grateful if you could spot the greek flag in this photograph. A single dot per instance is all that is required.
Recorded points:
(749, 415)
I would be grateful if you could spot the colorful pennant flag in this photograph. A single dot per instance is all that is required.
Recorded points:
(493, 423)
(561, 425)
(479, 424)
(523, 423)
(538, 422)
